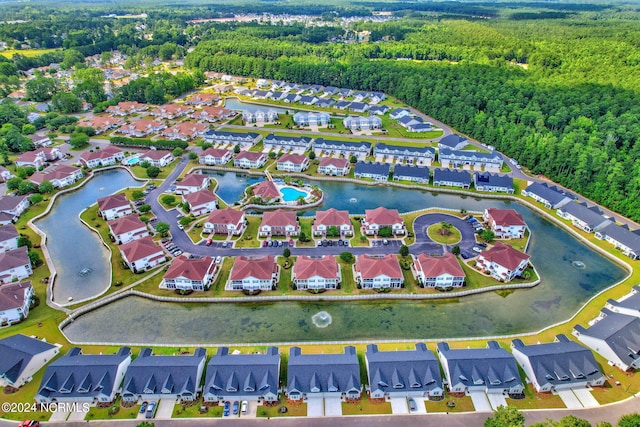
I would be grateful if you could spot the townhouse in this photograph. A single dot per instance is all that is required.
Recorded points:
(451, 178)
(141, 128)
(102, 124)
(193, 182)
(411, 173)
(215, 156)
(453, 142)
(440, 272)
(381, 217)
(127, 229)
(171, 111)
(493, 183)
(292, 163)
(376, 171)
(114, 206)
(334, 166)
(107, 156)
(125, 108)
(458, 158)
(253, 274)
(298, 144)
(311, 118)
(142, 254)
(201, 202)
(325, 220)
(15, 300)
(502, 262)
(202, 99)
(59, 175)
(15, 265)
(372, 272)
(225, 221)
(190, 274)
(212, 114)
(260, 116)
(589, 219)
(362, 123)
(12, 207)
(403, 154)
(21, 357)
(249, 160)
(185, 131)
(622, 238)
(505, 223)
(550, 196)
(345, 149)
(279, 223)
(157, 158)
(313, 273)
(8, 237)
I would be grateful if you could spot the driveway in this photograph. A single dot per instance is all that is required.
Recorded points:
(315, 407)
(570, 400)
(496, 400)
(480, 401)
(399, 405)
(421, 407)
(332, 407)
(77, 415)
(586, 398)
(59, 414)
(165, 409)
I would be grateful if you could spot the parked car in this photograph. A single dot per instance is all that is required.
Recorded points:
(385, 242)
(218, 259)
(477, 249)
(464, 255)
(29, 423)
(236, 405)
(412, 405)
(244, 408)
(209, 242)
(177, 253)
(225, 410)
(151, 409)
(143, 407)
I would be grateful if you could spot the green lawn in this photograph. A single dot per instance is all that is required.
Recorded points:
(348, 284)
(193, 411)
(533, 400)
(141, 172)
(286, 267)
(299, 410)
(305, 227)
(249, 238)
(357, 239)
(29, 53)
(436, 231)
(366, 406)
(461, 404)
(114, 412)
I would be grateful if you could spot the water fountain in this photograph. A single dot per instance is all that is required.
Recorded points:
(353, 200)
(579, 265)
(322, 319)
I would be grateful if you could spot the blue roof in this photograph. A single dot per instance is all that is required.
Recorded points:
(342, 145)
(592, 216)
(493, 180)
(313, 373)
(343, 104)
(402, 371)
(623, 235)
(470, 155)
(214, 133)
(552, 194)
(452, 140)
(275, 139)
(358, 106)
(451, 175)
(619, 331)
(16, 352)
(404, 150)
(412, 171)
(381, 169)
(631, 301)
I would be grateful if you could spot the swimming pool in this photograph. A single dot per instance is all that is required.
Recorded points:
(131, 161)
(290, 194)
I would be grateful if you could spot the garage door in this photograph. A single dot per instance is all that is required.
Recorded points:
(315, 407)
(480, 401)
(332, 407)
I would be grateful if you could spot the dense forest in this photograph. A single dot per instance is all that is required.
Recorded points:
(554, 85)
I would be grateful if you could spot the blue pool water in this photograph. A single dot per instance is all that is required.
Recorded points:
(132, 161)
(291, 194)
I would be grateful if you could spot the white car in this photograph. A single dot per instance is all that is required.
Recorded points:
(180, 226)
(244, 407)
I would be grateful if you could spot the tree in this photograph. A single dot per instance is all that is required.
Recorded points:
(404, 250)
(28, 129)
(286, 252)
(153, 171)
(312, 155)
(505, 416)
(177, 152)
(302, 237)
(192, 156)
(137, 194)
(26, 187)
(629, 420)
(89, 85)
(35, 259)
(79, 140)
(66, 102)
(14, 183)
(236, 149)
(145, 164)
(145, 424)
(144, 208)
(567, 421)
(455, 250)
(353, 160)
(71, 58)
(168, 199)
(46, 187)
(272, 154)
(385, 232)
(35, 198)
(333, 231)
(162, 228)
(25, 171)
(24, 241)
(40, 89)
(346, 256)
(487, 236)
(13, 139)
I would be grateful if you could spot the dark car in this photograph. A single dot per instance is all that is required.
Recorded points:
(143, 407)
(225, 411)
(236, 406)
(412, 405)
(464, 255)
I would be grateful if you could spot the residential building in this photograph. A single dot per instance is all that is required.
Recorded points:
(457, 158)
(334, 166)
(344, 149)
(15, 301)
(253, 274)
(212, 114)
(292, 163)
(502, 262)
(359, 123)
(451, 178)
(104, 157)
(494, 183)
(267, 191)
(279, 223)
(58, 175)
(141, 127)
(411, 173)
(260, 116)
(5, 174)
(625, 240)
(249, 160)
(13, 206)
(171, 111)
(358, 107)
(378, 272)
(492, 370)
(236, 377)
(39, 140)
(193, 182)
(325, 102)
(403, 373)
(316, 273)
(399, 112)
(8, 237)
(505, 223)
(21, 357)
(439, 272)
(127, 229)
(225, 221)
(102, 124)
(403, 154)
(157, 158)
(78, 378)
(126, 108)
(311, 118)
(342, 105)
(15, 265)
(375, 219)
(628, 304)
(215, 156)
(550, 196)
(201, 202)
(291, 98)
(414, 124)
(375, 171)
(154, 377)
(273, 142)
(378, 109)
(332, 218)
(190, 274)
(142, 254)
(185, 131)
(614, 336)
(323, 375)
(559, 365)
(453, 142)
(589, 219)
(308, 100)
(114, 206)
(201, 99)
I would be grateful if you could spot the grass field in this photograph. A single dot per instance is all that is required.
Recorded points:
(29, 53)
(437, 233)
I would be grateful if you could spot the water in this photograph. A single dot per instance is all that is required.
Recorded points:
(231, 186)
(132, 161)
(290, 194)
(566, 286)
(80, 259)
(235, 104)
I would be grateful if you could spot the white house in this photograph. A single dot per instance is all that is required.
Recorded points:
(15, 265)
(334, 166)
(505, 223)
(438, 271)
(21, 357)
(201, 202)
(279, 223)
(332, 218)
(13, 206)
(225, 221)
(249, 160)
(157, 158)
(8, 237)
(253, 274)
(104, 157)
(59, 175)
(15, 299)
(502, 262)
(127, 229)
(114, 206)
(190, 274)
(292, 163)
(375, 219)
(142, 254)
(215, 156)
(192, 182)
(316, 273)
(378, 272)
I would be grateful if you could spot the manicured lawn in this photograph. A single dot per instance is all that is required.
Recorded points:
(193, 411)
(348, 284)
(299, 410)
(462, 404)
(108, 413)
(218, 285)
(357, 240)
(141, 172)
(535, 400)
(285, 282)
(305, 227)
(438, 233)
(250, 237)
(163, 198)
(366, 406)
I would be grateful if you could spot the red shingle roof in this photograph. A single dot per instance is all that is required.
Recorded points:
(279, 218)
(307, 267)
(14, 258)
(249, 155)
(104, 153)
(140, 248)
(193, 180)
(434, 266)
(266, 190)
(112, 201)
(225, 216)
(332, 217)
(156, 154)
(505, 217)
(371, 267)
(125, 224)
(296, 159)
(215, 152)
(382, 216)
(190, 268)
(200, 197)
(504, 255)
(333, 161)
(12, 295)
(259, 267)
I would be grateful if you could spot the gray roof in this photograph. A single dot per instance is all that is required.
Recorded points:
(82, 375)
(560, 362)
(358, 106)
(9, 203)
(452, 140)
(552, 194)
(243, 374)
(451, 175)
(16, 352)
(405, 120)
(619, 331)
(307, 99)
(341, 145)
(325, 102)
(291, 97)
(323, 372)
(14, 258)
(343, 104)
(296, 140)
(378, 109)
(411, 370)
(8, 232)
(403, 150)
(381, 169)
(592, 216)
(493, 180)
(620, 234)
(400, 110)
(469, 155)
(227, 134)
(151, 374)
(412, 171)
(492, 367)
(630, 301)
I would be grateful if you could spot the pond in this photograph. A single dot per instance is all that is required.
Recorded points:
(80, 259)
(236, 104)
(571, 274)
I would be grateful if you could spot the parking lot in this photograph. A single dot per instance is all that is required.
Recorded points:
(328, 243)
(392, 243)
